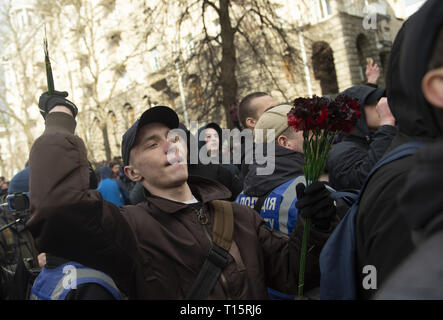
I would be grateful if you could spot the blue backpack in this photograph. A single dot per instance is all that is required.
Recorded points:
(52, 284)
(338, 279)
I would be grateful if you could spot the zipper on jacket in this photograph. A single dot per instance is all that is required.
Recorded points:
(202, 217)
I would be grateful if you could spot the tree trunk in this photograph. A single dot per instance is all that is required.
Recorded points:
(106, 141)
(228, 63)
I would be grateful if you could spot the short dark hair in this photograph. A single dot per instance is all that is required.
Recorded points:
(436, 60)
(114, 163)
(244, 108)
(289, 132)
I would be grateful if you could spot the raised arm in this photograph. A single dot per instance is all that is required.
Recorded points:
(67, 218)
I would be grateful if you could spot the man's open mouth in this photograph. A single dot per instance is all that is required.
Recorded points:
(174, 160)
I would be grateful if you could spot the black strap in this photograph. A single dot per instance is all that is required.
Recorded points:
(260, 201)
(217, 257)
(215, 262)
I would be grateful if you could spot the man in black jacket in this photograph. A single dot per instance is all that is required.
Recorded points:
(421, 275)
(350, 161)
(382, 232)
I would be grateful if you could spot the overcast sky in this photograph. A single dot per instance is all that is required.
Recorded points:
(408, 2)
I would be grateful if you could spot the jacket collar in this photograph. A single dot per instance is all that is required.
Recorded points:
(205, 190)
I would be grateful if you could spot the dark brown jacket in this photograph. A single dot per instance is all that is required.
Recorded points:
(153, 250)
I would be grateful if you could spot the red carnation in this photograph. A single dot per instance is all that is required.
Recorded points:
(319, 119)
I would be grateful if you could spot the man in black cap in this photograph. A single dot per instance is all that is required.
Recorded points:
(350, 161)
(160, 247)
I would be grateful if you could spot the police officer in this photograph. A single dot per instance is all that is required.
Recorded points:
(274, 196)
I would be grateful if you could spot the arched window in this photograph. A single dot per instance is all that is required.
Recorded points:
(114, 140)
(196, 89)
(324, 67)
(288, 67)
(128, 115)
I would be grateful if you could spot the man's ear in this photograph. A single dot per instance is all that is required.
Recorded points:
(432, 86)
(132, 173)
(282, 141)
(250, 122)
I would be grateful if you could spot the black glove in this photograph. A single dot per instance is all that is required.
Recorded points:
(314, 202)
(47, 102)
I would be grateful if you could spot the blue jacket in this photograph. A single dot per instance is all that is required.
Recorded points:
(20, 182)
(110, 189)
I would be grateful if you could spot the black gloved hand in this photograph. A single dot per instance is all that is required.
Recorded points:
(47, 102)
(314, 202)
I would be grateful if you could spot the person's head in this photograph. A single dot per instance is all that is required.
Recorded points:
(285, 136)
(252, 107)
(4, 185)
(212, 139)
(115, 168)
(210, 136)
(368, 97)
(413, 79)
(372, 115)
(150, 155)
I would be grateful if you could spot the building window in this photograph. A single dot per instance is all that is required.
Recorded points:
(83, 61)
(322, 9)
(196, 90)
(131, 115)
(154, 60)
(326, 8)
(121, 70)
(324, 67)
(288, 67)
(114, 39)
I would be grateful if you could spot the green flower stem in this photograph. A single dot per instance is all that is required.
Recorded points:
(304, 250)
(316, 148)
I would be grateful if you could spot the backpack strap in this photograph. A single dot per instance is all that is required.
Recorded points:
(348, 197)
(223, 224)
(217, 257)
(401, 151)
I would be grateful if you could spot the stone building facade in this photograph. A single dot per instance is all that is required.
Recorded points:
(324, 51)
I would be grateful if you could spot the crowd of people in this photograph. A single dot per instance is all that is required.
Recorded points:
(153, 224)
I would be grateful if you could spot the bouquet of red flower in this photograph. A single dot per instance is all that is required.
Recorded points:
(320, 119)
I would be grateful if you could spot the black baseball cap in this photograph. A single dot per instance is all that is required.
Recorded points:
(161, 114)
(375, 95)
(365, 94)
